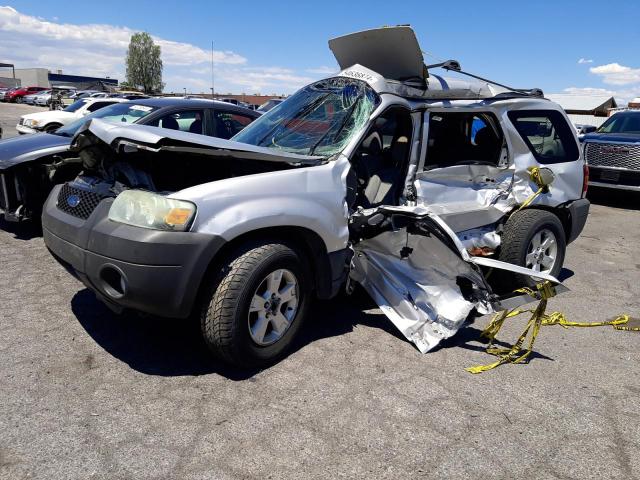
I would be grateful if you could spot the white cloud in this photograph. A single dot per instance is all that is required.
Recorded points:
(622, 96)
(616, 74)
(585, 60)
(588, 91)
(100, 50)
(323, 70)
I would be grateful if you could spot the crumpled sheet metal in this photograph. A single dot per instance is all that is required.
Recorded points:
(419, 294)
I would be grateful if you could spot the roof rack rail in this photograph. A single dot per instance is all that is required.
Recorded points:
(454, 65)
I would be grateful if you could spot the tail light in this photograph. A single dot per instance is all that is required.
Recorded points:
(585, 180)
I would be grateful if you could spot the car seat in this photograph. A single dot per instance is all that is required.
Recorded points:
(170, 123)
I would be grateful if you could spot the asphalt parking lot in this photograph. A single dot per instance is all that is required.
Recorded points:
(89, 394)
(10, 113)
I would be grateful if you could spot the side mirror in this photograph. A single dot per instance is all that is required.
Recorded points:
(546, 176)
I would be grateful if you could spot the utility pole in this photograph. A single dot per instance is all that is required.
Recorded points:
(213, 91)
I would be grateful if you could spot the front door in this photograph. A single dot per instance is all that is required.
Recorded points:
(465, 175)
(420, 275)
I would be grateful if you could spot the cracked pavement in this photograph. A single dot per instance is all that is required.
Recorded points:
(85, 393)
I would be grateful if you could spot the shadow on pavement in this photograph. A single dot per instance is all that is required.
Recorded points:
(174, 347)
(21, 231)
(607, 197)
(471, 334)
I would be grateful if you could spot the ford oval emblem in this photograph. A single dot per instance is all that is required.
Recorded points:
(73, 201)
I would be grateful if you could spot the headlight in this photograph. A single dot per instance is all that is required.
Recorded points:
(150, 210)
(31, 123)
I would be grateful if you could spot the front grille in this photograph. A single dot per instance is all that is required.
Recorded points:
(616, 155)
(85, 201)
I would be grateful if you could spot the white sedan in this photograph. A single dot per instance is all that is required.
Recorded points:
(53, 119)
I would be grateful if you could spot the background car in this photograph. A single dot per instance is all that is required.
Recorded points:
(269, 104)
(612, 152)
(33, 98)
(31, 164)
(53, 119)
(17, 94)
(44, 98)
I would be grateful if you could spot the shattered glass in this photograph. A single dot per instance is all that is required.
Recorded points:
(318, 120)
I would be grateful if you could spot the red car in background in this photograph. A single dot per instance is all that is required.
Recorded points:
(16, 95)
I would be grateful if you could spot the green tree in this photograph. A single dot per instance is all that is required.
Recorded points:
(144, 65)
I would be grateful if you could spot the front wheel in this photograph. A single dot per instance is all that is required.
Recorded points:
(533, 239)
(257, 304)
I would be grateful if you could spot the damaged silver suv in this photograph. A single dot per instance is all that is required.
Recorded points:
(413, 185)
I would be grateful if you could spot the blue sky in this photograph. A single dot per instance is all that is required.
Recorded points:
(276, 47)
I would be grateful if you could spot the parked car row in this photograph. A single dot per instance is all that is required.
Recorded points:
(31, 164)
(16, 95)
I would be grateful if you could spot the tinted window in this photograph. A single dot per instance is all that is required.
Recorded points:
(463, 138)
(185, 121)
(622, 123)
(75, 106)
(123, 112)
(547, 135)
(98, 105)
(229, 123)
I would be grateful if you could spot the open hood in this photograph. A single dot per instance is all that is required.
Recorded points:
(129, 138)
(393, 52)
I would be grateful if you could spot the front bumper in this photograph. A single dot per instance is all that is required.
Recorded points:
(130, 267)
(23, 129)
(617, 178)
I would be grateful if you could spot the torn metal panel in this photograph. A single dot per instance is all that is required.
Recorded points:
(393, 52)
(420, 273)
(467, 196)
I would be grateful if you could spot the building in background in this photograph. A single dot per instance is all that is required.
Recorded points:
(585, 109)
(41, 77)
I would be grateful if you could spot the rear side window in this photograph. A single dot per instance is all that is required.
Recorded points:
(98, 105)
(229, 123)
(547, 135)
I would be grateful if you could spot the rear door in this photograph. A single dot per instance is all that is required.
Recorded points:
(552, 143)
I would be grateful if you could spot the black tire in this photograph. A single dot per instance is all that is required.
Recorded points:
(52, 126)
(516, 238)
(224, 317)
(19, 100)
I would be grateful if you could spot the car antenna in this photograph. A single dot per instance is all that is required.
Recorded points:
(454, 66)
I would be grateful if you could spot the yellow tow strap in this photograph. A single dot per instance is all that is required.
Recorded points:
(534, 173)
(517, 354)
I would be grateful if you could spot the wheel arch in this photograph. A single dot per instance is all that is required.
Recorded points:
(562, 214)
(307, 241)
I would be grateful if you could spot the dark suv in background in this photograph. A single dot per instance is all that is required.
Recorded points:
(613, 152)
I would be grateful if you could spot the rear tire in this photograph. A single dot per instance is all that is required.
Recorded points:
(240, 302)
(531, 237)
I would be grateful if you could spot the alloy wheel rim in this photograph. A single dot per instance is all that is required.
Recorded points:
(542, 251)
(273, 307)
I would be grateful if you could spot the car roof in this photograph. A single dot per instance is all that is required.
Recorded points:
(161, 102)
